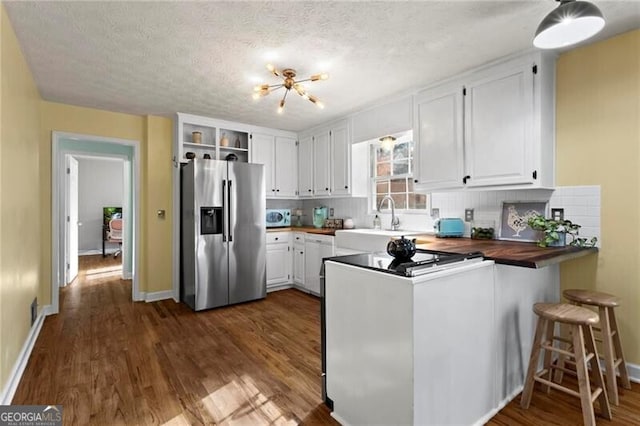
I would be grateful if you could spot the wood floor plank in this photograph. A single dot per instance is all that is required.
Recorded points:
(110, 361)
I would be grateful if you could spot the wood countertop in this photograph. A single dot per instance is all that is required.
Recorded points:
(307, 229)
(527, 255)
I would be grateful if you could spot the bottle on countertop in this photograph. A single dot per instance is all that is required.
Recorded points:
(377, 223)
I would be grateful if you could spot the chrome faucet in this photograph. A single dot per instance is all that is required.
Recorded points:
(395, 222)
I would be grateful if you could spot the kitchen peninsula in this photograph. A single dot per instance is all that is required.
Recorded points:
(448, 346)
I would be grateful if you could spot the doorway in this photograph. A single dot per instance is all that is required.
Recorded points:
(66, 147)
(94, 196)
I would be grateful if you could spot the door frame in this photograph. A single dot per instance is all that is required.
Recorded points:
(68, 212)
(132, 192)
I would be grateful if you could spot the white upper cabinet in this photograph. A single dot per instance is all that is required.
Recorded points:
(439, 137)
(340, 160)
(492, 127)
(262, 152)
(321, 165)
(279, 155)
(286, 169)
(305, 169)
(498, 127)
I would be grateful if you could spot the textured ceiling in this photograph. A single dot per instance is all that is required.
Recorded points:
(205, 57)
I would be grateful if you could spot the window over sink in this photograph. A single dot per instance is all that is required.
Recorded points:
(391, 172)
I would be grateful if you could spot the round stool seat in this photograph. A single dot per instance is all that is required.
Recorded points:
(593, 298)
(566, 313)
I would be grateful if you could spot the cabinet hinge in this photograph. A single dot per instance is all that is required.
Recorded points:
(251, 136)
(68, 266)
(68, 219)
(329, 133)
(68, 171)
(464, 91)
(535, 174)
(535, 69)
(297, 143)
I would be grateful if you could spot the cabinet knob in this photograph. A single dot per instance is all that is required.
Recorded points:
(309, 190)
(301, 252)
(276, 238)
(273, 190)
(326, 189)
(277, 190)
(415, 181)
(346, 187)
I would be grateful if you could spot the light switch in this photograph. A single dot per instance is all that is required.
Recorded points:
(468, 215)
(557, 214)
(160, 214)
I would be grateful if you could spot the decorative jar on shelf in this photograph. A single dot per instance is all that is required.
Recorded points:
(224, 141)
(237, 143)
(196, 137)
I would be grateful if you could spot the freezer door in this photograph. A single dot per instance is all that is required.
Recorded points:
(211, 252)
(246, 232)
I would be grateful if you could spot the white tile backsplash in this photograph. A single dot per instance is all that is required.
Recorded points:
(581, 205)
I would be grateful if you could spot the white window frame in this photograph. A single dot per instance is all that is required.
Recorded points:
(400, 138)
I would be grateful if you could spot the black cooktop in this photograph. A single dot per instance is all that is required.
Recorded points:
(386, 263)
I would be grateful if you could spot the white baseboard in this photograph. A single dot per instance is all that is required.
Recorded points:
(634, 372)
(278, 287)
(127, 275)
(23, 357)
(158, 295)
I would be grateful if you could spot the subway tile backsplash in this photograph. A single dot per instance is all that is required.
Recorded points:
(581, 205)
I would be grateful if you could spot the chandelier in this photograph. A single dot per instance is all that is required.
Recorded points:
(288, 76)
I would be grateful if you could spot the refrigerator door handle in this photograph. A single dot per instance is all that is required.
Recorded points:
(229, 211)
(224, 188)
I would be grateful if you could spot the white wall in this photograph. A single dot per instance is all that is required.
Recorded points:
(100, 184)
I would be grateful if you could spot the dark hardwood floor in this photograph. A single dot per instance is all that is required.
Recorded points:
(110, 361)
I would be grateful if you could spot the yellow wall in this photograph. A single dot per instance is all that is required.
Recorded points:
(19, 198)
(158, 196)
(155, 137)
(598, 143)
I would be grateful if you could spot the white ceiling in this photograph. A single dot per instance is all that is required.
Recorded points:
(205, 57)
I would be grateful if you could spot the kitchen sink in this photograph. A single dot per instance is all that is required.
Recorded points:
(369, 240)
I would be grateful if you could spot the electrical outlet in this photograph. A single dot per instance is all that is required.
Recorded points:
(34, 310)
(468, 215)
(435, 213)
(557, 214)
(331, 212)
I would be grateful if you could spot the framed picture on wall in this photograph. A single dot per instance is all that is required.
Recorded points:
(514, 220)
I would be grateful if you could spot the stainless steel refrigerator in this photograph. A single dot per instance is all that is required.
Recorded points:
(223, 247)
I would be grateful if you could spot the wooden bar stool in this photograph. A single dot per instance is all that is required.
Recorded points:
(612, 348)
(579, 320)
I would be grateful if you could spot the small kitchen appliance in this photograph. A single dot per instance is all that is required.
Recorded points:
(278, 218)
(449, 227)
(319, 215)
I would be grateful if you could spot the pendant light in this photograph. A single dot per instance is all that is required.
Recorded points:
(387, 142)
(570, 23)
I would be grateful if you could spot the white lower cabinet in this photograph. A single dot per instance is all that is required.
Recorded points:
(278, 258)
(298, 258)
(316, 248)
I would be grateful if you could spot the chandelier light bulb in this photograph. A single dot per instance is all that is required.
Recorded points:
(256, 96)
(281, 107)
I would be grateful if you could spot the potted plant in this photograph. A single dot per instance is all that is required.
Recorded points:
(554, 232)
